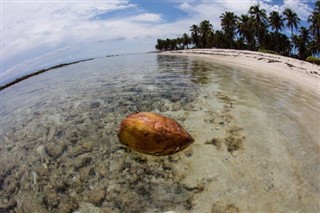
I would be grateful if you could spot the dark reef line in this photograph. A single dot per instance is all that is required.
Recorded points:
(17, 80)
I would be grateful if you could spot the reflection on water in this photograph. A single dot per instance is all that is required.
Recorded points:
(256, 140)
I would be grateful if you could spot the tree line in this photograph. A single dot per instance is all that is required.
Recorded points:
(254, 31)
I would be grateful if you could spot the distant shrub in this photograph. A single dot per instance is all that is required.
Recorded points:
(267, 51)
(313, 60)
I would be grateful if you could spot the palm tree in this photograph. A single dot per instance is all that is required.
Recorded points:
(211, 39)
(260, 21)
(167, 44)
(314, 20)
(220, 40)
(259, 15)
(159, 45)
(173, 44)
(179, 43)
(186, 40)
(301, 43)
(295, 42)
(314, 47)
(276, 23)
(244, 29)
(292, 19)
(195, 35)
(205, 31)
(278, 42)
(284, 44)
(228, 24)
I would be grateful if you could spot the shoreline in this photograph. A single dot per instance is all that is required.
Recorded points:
(305, 74)
(24, 77)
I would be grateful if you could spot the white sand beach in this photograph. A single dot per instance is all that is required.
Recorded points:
(304, 73)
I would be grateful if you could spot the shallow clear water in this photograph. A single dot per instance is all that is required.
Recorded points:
(256, 139)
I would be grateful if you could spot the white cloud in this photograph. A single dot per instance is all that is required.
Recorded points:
(147, 17)
(28, 24)
(299, 6)
(186, 6)
(33, 30)
(212, 10)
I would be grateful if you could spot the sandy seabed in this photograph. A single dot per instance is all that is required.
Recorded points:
(270, 174)
(244, 159)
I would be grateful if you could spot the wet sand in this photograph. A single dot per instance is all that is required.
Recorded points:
(303, 73)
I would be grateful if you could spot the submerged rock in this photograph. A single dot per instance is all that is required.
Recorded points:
(97, 197)
(153, 134)
(176, 106)
(223, 207)
(67, 205)
(51, 133)
(31, 205)
(54, 150)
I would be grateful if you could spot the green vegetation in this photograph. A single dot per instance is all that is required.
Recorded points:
(267, 51)
(256, 31)
(313, 60)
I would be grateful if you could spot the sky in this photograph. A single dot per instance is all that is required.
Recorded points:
(40, 34)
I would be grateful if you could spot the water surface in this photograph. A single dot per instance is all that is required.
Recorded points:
(256, 139)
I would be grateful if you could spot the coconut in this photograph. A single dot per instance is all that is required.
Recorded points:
(153, 134)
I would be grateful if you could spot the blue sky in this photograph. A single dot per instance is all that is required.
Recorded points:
(39, 34)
